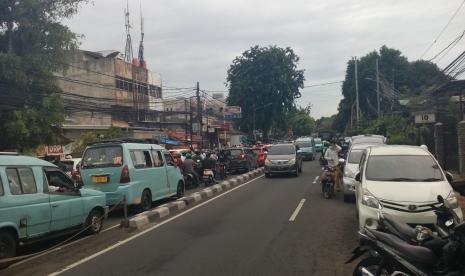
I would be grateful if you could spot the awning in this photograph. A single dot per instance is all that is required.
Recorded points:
(170, 142)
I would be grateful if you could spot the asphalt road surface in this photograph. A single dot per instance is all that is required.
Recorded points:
(277, 226)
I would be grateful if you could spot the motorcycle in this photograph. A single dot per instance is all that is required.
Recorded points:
(208, 177)
(221, 170)
(189, 180)
(327, 184)
(434, 254)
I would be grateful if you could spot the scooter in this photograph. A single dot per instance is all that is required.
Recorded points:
(327, 184)
(435, 255)
(208, 177)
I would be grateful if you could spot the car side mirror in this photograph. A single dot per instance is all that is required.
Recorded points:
(358, 178)
(449, 177)
(78, 185)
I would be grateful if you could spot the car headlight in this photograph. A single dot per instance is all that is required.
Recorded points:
(452, 201)
(267, 162)
(349, 173)
(292, 161)
(368, 199)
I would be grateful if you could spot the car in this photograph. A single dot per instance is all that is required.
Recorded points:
(351, 168)
(133, 172)
(318, 144)
(283, 158)
(368, 139)
(404, 181)
(305, 148)
(39, 201)
(239, 159)
(261, 153)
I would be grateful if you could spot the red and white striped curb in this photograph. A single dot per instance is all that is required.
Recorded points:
(142, 220)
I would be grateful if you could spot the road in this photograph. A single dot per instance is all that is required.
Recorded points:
(248, 231)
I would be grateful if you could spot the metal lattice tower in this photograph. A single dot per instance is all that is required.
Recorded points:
(128, 54)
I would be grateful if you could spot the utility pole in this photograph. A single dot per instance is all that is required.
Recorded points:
(185, 120)
(356, 91)
(190, 119)
(199, 114)
(377, 89)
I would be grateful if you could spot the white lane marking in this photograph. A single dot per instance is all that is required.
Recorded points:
(297, 210)
(316, 179)
(145, 231)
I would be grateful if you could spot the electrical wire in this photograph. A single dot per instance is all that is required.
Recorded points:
(443, 29)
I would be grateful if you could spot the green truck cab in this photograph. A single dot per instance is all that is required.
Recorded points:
(38, 201)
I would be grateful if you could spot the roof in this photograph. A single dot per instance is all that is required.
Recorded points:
(398, 150)
(22, 160)
(283, 144)
(128, 145)
(363, 146)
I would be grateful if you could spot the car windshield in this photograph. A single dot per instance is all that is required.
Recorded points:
(100, 157)
(413, 168)
(354, 156)
(303, 144)
(68, 165)
(282, 150)
(234, 152)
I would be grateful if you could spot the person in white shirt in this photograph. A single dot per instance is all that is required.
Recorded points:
(332, 156)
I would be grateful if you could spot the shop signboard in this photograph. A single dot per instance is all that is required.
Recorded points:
(232, 113)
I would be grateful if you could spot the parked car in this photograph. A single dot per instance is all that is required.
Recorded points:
(239, 159)
(261, 155)
(139, 172)
(283, 158)
(38, 201)
(351, 168)
(318, 144)
(405, 181)
(368, 139)
(306, 148)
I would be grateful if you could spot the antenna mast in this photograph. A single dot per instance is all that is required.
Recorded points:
(128, 55)
(141, 45)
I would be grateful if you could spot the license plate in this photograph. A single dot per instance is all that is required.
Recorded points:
(100, 179)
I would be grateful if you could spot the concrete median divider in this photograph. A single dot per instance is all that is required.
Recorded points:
(144, 219)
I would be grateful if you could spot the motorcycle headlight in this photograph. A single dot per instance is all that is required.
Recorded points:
(452, 201)
(368, 199)
(292, 161)
(267, 162)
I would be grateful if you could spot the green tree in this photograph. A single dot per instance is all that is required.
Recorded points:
(300, 121)
(400, 79)
(264, 82)
(33, 44)
(94, 136)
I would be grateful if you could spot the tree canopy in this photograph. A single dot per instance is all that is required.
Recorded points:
(399, 79)
(264, 82)
(33, 44)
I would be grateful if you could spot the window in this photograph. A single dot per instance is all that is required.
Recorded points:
(157, 159)
(102, 157)
(58, 181)
(355, 156)
(404, 168)
(282, 150)
(141, 159)
(21, 181)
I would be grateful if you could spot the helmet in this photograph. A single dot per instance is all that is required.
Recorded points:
(326, 143)
(188, 156)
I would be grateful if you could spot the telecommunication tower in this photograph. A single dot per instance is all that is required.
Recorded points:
(128, 54)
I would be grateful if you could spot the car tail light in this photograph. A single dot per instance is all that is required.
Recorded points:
(125, 175)
(242, 156)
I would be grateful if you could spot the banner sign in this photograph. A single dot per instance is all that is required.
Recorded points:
(232, 113)
(425, 118)
(55, 150)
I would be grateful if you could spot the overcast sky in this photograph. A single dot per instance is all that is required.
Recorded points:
(196, 40)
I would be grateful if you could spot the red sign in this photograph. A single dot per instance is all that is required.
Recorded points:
(55, 150)
(225, 127)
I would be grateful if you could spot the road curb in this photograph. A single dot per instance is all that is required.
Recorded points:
(143, 219)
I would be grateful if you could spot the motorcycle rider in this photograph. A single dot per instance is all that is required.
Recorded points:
(189, 167)
(209, 163)
(331, 155)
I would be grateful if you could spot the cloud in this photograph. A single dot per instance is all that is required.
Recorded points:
(196, 40)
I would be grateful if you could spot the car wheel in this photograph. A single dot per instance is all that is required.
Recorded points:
(180, 190)
(8, 246)
(146, 201)
(94, 222)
